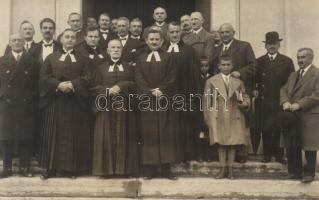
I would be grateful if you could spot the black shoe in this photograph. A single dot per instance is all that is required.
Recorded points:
(47, 175)
(171, 177)
(6, 173)
(25, 172)
(307, 179)
(293, 177)
(266, 159)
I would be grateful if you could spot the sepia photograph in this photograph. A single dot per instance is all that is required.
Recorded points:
(159, 99)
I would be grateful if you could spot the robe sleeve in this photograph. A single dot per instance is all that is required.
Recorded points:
(81, 83)
(142, 83)
(168, 85)
(127, 85)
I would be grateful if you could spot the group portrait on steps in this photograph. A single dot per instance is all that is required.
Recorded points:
(111, 98)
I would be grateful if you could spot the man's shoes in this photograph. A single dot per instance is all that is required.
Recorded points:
(222, 173)
(293, 177)
(25, 172)
(47, 175)
(6, 173)
(266, 159)
(307, 179)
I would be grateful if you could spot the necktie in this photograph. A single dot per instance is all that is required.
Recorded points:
(299, 77)
(48, 45)
(225, 48)
(271, 58)
(18, 57)
(27, 47)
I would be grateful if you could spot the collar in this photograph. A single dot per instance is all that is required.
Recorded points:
(306, 68)
(225, 76)
(158, 24)
(274, 55)
(16, 54)
(205, 75)
(104, 31)
(156, 56)
(135, 37)
(29, 42)
(115, 60)
(197, 31)
(228, 45)
(123, 38)
(44, 43)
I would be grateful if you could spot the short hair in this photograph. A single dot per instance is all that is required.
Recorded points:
(65, 30)
(91, 28)
(47, 20)
(137, 20)
(160, 8)
(151, 30)
(199, 13)
(26, 22)
(307, 49)
(75, 13)
(104, 14)
(124, 19)
(174, 23)
(225, 58)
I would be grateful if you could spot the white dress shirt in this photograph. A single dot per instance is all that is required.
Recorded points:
(47, 50)
(123, 40)
(17, 56)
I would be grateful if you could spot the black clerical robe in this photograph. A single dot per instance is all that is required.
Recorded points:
(65, 136)
(157, 128)
(115, 141)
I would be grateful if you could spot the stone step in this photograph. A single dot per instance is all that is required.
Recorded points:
(85, 188)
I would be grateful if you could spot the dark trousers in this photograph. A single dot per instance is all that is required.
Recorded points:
(24, 153)
(271, 143)
(310, 166)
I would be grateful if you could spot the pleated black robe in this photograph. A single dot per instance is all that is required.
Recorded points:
(65, 136)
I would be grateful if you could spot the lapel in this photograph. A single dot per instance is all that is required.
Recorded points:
(307, 77)
(20, 66)
(275, 63)
(219, 84)
(234, 47)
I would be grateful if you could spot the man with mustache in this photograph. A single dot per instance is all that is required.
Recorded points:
(106, 34)
(273, 70)
(186, 26)
(299, 99)
(27, 33)
(244, 63)
(136, 29)
(159, 16)
(200, 39)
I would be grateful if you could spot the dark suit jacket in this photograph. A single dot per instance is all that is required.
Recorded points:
(131, 49)
(202, 42)
(243, 58)
(18, 93)
(306, 94)
(8, 48)
(103, 43)
(36, 52)
(270, 77)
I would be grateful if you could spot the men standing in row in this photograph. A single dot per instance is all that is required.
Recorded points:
(106, 33)
(200, 39)
(159, 16)
(188, 83)
(244, 63)
(27, 33)
(155, 76)
(273, 70)
(65, 134)
(18, 95)
(300, 100)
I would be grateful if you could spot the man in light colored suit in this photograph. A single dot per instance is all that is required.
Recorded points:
(300, 96)
(200, 39)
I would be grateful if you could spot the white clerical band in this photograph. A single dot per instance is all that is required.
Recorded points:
(120, 67)
(68, 53)
(173, 47)
(156, 55)
(91, 56)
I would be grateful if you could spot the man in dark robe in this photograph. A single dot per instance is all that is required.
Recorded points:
(65, 136)
(115, 141)
(18, 94)
(188, 83)
(156, 81)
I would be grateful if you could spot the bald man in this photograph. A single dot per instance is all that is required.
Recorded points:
(200, 39)
(244, 63)
(159, 16)
(18, 94)
(27, 32)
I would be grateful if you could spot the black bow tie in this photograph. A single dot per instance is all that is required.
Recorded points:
(122, 38)
(48, 45)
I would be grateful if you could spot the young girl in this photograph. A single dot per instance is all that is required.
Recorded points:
(224, 103)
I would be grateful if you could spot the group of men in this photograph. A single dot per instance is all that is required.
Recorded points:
(46, 88)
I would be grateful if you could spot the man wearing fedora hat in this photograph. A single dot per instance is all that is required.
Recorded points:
(273, 70)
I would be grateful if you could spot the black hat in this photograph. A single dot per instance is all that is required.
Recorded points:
(272, 37)
(287, 120)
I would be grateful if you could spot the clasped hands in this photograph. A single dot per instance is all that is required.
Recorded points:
(115, 90)
(65, 86)
(156, 92)
(291, 107)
